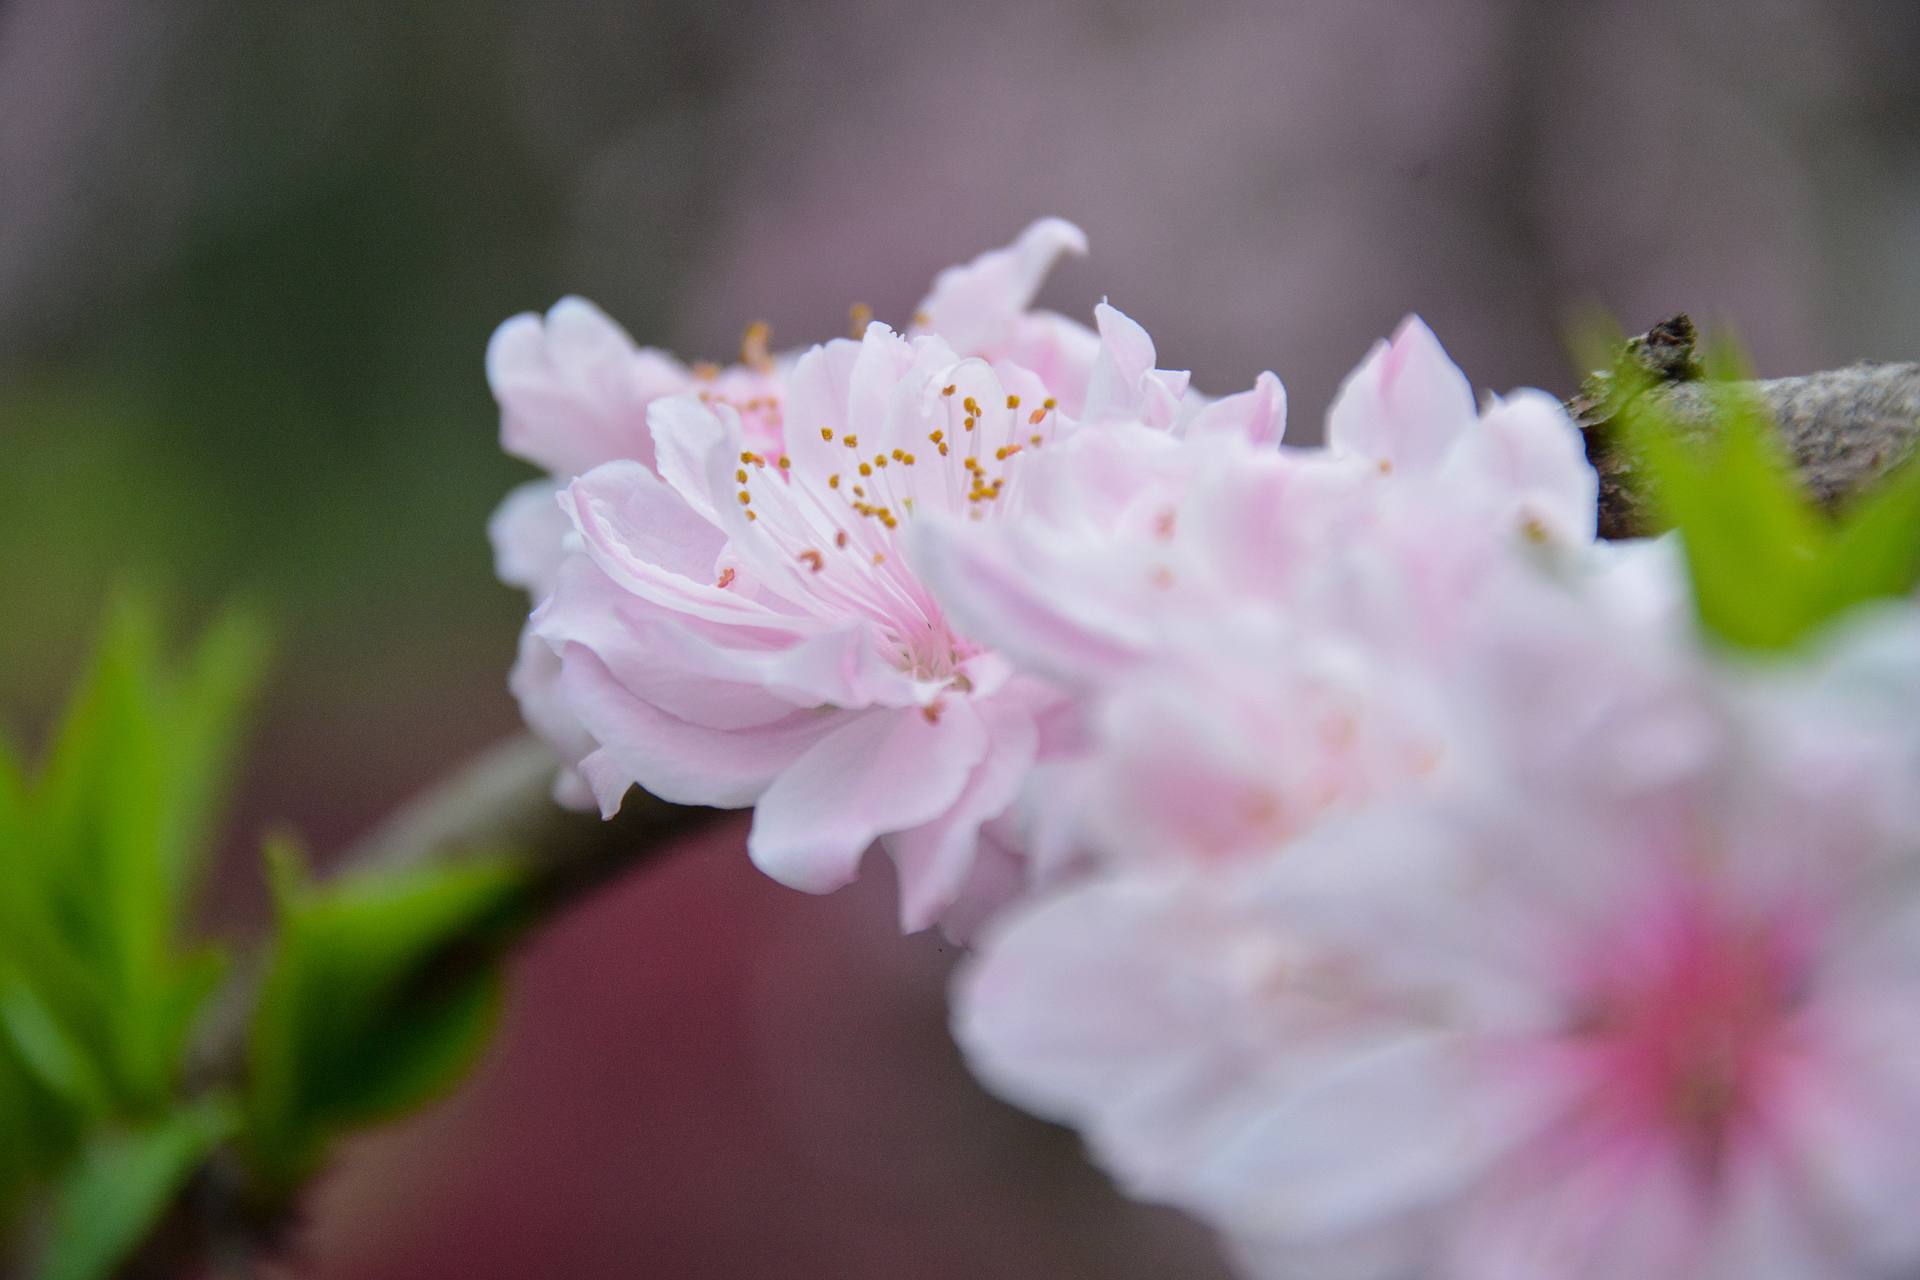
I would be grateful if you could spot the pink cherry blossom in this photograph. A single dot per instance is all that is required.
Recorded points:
(984, 308)
(1579, 1026)
(1263, 638)
(1119, 518)
(574, 391)
(748, 627)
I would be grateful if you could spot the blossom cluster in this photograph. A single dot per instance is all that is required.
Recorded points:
(1358, 853)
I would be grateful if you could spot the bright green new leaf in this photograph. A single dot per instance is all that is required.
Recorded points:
(109, 840)
(40, 1131)
(109, 1200)
(1767, 567)
(1875, 551)
(381, 989)
(61, 1066)
(100, 850)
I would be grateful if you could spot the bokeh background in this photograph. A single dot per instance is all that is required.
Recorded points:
(250, 254)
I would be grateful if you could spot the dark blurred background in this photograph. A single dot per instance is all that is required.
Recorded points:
(250, 255)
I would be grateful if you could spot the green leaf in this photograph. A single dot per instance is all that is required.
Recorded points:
(48, 1051)
(381, 988)
(111, 838)
(1875, 551)
(41, 1130)
(1753, 543)
(1767, 567)
(121, 1184)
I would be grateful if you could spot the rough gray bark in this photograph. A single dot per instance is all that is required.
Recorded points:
(1845, 427)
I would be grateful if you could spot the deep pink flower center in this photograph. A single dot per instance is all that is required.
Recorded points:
(1689, 1026)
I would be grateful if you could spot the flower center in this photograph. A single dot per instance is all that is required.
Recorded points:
(831, 514)
(1689, 1025)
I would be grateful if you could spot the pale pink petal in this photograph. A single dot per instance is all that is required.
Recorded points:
(719, 675)
(1106, 1006)
(535, 684)
(817, 395)
(1059, 351)
(598, 781)
(991, 592)
(1124, 384)
(685, 433)
(1357, 1129)
(1625, 1211)
(1768, 1229)
(974, 306)
(1257, 416)
(646, 538)
(998, 876)
(879, 771)
(1525, 455)
(529, 534)
(573, 389)
(677, 761)
(1405, 405)
(936, 859)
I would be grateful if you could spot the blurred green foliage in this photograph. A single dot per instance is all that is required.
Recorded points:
(378, 991)
(1768, 567)
(365, 1012)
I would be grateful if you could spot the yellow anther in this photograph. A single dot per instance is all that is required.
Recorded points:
(753, 346)
(741, 475)
(826, 433)
(899, 455)
(851, 441)
(859, 316)
(935, 437)
(972, 406)
(745, 497)
(833, 481)
(865, 470)
(949, 389)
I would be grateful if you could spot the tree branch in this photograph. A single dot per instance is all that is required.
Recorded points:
(1845, 428)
